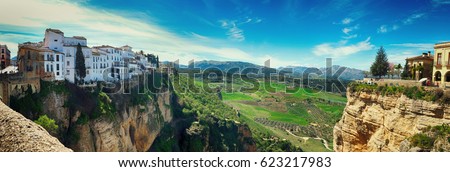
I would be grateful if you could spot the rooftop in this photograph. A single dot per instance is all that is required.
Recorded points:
(104, 46)
(424, 56)
(79, 37)
(55, 31)
(442, 45)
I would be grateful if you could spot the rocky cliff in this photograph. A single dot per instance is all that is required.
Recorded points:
(373, 122)
(94, 120)
(132, 127)
(18, 134)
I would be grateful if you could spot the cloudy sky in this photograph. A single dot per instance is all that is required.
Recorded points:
(289, 32)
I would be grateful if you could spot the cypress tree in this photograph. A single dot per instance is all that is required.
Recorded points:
(80, 67)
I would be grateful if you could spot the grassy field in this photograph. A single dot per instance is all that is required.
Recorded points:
(235, 96)
(305, 108)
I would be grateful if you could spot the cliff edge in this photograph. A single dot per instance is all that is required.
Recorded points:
(375, 122)
(19, 134)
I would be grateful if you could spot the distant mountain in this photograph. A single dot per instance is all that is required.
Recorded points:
(225, 65)
(348, 74)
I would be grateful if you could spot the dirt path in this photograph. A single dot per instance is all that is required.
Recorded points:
(325, 142)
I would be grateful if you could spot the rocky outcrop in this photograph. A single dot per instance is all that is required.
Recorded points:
(18, 134)
(134, 127)
(372, 122)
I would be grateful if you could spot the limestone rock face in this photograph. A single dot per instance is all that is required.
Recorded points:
(18, 134)
(372, 122)
(134, 129)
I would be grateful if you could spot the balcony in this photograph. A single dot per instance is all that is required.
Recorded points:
(438, 66)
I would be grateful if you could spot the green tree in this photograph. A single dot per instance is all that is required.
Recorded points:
(157, 61)
(398, 69)
(406, 73)
(381, 65)
(47, 123)
(80, 67)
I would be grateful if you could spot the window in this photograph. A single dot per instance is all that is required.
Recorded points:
(57, 66)
(57, 58)
(57, 73)
(439, 59)
(3, 50)
(51, 68)
(68, 72)
(56, 40)
(448, 60)
(68, 63)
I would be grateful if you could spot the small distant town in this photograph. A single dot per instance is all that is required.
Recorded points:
(55, 59)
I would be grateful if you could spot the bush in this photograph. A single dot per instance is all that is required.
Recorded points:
(422, 141)
(105, 107)
(47, 123)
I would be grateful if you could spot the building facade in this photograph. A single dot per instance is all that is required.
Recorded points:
(421, 66)
(441, 67)
(5, 57)
(55, 59)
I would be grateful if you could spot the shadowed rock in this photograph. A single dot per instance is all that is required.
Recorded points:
(18, 134)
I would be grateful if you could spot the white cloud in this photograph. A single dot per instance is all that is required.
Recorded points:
(382, 29)
(347, 21)
(341, 49)
(350, 36)
(420, 46)
(103, 27)
(395, 27)
(437, 3)
(411, 19)
(346, 30)
(199, 37)
(407, 21)
(234, 33)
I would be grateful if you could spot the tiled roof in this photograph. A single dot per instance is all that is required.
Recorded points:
(422, 57)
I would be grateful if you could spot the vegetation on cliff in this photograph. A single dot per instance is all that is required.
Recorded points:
(47, 123)
(436, 138)
(416, 93)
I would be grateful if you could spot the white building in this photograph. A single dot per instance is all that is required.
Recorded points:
(62, 61)
(102, 62)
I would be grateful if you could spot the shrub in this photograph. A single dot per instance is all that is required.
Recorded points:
(47, 123)
(422, 141)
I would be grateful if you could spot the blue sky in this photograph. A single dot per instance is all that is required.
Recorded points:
(288, 32)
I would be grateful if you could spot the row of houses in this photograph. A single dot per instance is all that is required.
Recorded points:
(434, 67)
(55, 59)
